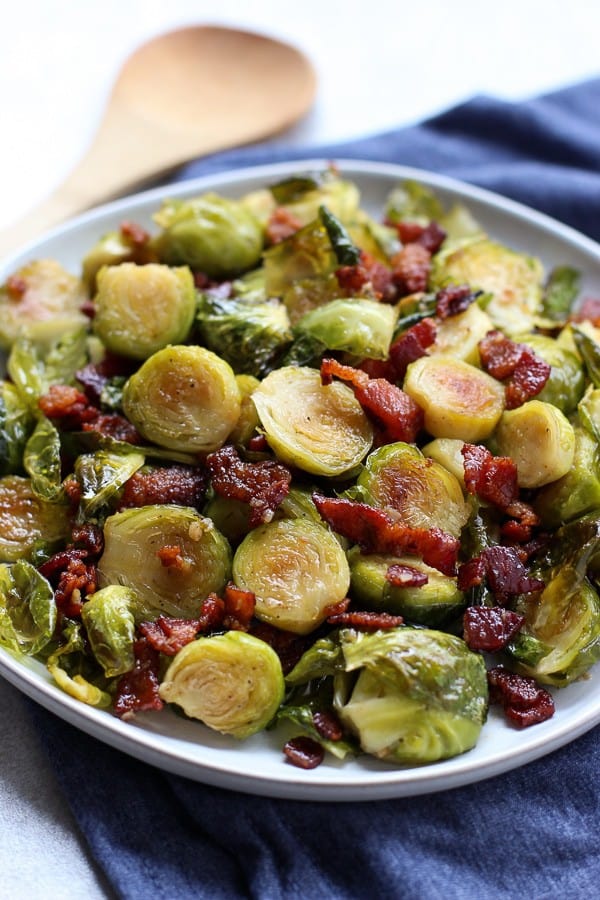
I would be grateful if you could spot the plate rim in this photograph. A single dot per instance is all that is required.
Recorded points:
(293, 783)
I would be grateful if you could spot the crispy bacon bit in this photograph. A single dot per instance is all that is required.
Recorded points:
(328, 725)
(430, 236)
(380, 277)
(520, 527)
(73, 576)
(258, 444)
(262, 485)
(183, 485)
(168, 636)
(282, 224)
(94, 376)
(523, 371)
(212, 613)
(410, 346)
(375, 532)
(304, 752)
(490, 628)
(89, 537)
(366, 621)
(405, 576)
(352, 279)
(67, 404)
(493, 478)
(239, 607)
(16, 287)
(524, 701)
(335, 608)
(52, 568)
(137, 691)
(171, 557)
(134, 233)
(396, 415)
(289, 647)
(410, 269)
(588, 311)
(506, 575)
(115, 426)
(72, 489)
(454, 299)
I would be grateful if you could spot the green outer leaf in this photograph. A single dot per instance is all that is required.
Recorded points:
(347, 253)
(589, 412)
(101, 476)
(590, 352)
(560, 293)
(42, 462)
(16, 422)
(110, 628)
(33, 369)
(292, 189)
(27, 609)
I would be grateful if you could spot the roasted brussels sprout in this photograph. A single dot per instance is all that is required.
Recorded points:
(448, 453)
(174, 583)
(27, 609)
(418, 491)
(40, 301)
(210, 234)
(303, 197)
(363, 328)
(29, 526)
(183, 398)
(101, 475)
(248, 421)
(540, 440)
(141, 309)
(566, 383)
(248, 333)
(34, 368)
(434, 603)
(296, 569)
(459, 401)
(320, 429)
(578, 491)
(459, 335)
(513, 279)
(232, 682)
(112, 249)
(42, 462)
(16, 423)
(110, 628)
(420, 695)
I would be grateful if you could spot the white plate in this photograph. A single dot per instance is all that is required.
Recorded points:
(257, 765)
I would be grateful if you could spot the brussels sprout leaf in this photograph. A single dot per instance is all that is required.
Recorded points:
(101, 476)
(27, 609)
(560, 293)
(347, 253)
(110, 628)
(590, 352)
(15, 425)
(42, 461)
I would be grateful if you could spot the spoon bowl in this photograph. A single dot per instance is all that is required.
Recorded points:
(182, 94)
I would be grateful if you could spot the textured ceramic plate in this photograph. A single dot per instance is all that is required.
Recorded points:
(257, 765)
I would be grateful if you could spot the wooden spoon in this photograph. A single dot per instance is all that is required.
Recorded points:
(183, 94)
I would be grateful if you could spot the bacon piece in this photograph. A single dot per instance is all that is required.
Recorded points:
(524, 520)
(375, 532)
(366, 621)
(134, 233)
(72, 576)
(352, 279)
(380, 277)
(183, 485)
(137, 690)
(115, 426)
(523, 700)
(506, 575)
(171, 557)
(328, 725)
(16, 287)
(282, 224)
(261, 485)
(588, 311)
(66, 403)
(493, 478)
(454, 299)
(405, 576)
(95, 376)
(304, 752)
(490, 628)
(239, 607)
(288, 646)
(430, 236)
(258, 444)
(396, 415)
(90, 537)
(168, 635)
(524, 372)
(411, 268)
(410, 346)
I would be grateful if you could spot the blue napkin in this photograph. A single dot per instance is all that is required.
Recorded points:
(532, 833)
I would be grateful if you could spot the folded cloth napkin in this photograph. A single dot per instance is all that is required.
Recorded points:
(529, 833)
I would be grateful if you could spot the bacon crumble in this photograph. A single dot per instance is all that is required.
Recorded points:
(262, 485)
(366, 621)
(410, 269)
(505, 573)
(183, 485)
(454, 299)
(138, 690)
(304, 752)
(523, 371)
(282, 224)
(405, 576)
(490, 628)
(523, 700)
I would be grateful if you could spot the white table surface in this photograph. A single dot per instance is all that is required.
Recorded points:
(379, 64)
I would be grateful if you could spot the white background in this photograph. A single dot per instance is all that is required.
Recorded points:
(379, 64)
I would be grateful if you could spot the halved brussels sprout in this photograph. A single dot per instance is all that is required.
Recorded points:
(566, 383)
(27, 609)
(448, 453)
(112, 249)
(432, 604)
(141, 309)
(296, 569)
(409, 486)
(322, 429)
(34, 367)
(303, 197)
(420, 695)
(362, 327)
(133, 541)
(540, 440)
(248, 420)
(459, 401)
(514, 280)
(305, 258)
(110, 628)
(211, 234)
(232, 682)
(16, 423)
(459, 335)
(101, 475)
(28, 524)
(577, 492)
(40, 301)
(183, 398)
